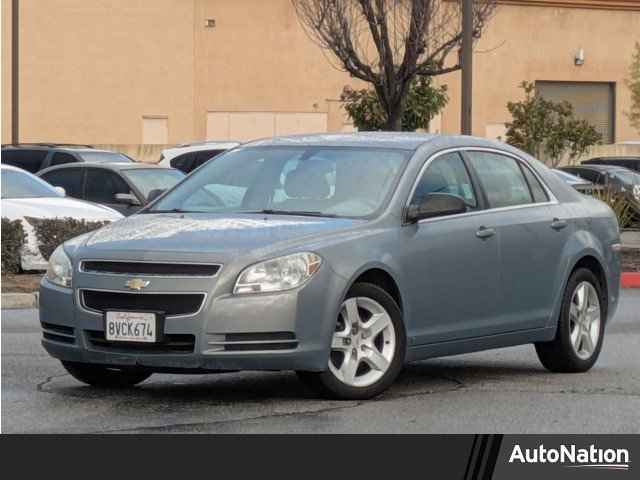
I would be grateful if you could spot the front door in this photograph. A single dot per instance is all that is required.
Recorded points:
(450, 261)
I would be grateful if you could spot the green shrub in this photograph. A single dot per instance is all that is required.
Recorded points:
(548, 130)
(423, 102)
(53, 232)
(13, 238)
(619, 203)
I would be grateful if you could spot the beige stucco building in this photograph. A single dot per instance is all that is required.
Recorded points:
(168, 71)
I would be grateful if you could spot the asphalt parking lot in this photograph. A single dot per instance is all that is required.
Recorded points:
(497, 391)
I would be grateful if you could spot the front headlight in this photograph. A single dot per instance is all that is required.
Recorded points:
(60, 269)
(279, 274)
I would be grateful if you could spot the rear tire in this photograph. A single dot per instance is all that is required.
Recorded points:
(580, 333)
(368, 347)
(100, 376)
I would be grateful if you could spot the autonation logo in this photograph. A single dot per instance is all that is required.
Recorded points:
(573, 457)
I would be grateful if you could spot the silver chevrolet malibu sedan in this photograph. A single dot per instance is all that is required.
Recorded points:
(341, 257)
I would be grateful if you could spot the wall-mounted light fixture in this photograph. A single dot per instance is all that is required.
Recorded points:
(210, 23)
(579, 58)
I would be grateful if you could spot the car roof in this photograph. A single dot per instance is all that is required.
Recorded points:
(115, 166)
(208, 143)
(620, 161)
(199, 147)
(392, 140)
(51, 146)
(599, 167)
(4, 166)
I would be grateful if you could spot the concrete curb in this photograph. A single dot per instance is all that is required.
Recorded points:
(15, 301)
(630, 280)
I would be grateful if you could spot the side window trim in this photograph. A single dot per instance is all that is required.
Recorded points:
(527, 168)
(479, 188)
(46, 161)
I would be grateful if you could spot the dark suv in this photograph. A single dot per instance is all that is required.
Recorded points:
(34, 157)
(632, 163)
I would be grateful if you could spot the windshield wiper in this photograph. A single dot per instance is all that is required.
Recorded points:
(173, 210)
(301, 213)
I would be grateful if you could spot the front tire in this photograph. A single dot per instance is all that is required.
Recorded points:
(100, 376)
(580, 333)
(367, 347)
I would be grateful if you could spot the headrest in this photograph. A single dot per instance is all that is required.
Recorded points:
(307, 182)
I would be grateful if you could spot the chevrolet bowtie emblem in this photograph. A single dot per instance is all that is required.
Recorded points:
(137, 284)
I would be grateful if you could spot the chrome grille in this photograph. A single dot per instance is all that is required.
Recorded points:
(110, 267)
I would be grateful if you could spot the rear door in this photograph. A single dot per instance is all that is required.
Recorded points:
(532, 229)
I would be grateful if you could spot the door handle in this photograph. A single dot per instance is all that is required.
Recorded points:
(484, 232)
(558, 224)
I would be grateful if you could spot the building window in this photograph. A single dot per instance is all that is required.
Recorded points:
(155, 130)
(592, 101)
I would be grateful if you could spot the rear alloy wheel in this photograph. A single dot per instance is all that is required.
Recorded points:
(581, 327)
(101, 376)
(367, 347)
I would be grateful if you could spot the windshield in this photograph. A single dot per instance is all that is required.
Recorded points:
(104, 157)
(21, 185)
(628, 177)
(149, 179)
(323, 181)
(570, 178)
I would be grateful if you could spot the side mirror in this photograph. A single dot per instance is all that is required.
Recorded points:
(61, 191)
(436, 205)
(153, 194)
(127, 198)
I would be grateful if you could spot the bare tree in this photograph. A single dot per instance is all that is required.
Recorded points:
(389, 42)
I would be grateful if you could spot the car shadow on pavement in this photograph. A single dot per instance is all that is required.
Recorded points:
(432, 376)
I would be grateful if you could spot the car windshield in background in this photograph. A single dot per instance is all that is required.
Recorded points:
(149, 179)
(569, 178)
(630, 178)
(321, 181)
(20, 185)
(104, 157)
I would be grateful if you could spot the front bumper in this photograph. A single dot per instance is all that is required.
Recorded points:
(285, 331)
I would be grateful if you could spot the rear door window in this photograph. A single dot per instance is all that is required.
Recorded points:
(68, 178)
(502, 179)
(60, 158)
(184, 162)
(29, 160)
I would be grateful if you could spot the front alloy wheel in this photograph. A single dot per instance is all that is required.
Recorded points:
(367, 346)
(363, 344)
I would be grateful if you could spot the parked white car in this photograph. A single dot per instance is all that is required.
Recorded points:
(188, 157)
(25, 195)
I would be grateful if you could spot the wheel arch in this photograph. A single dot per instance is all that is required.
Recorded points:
(590, 259)
(381, 276)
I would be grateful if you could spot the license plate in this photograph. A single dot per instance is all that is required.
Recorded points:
(130, 327)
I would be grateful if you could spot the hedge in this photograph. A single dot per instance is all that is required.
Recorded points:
(55, 231)
(13, 238)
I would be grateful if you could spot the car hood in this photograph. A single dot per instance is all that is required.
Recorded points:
(189, 236)
(52, 207)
